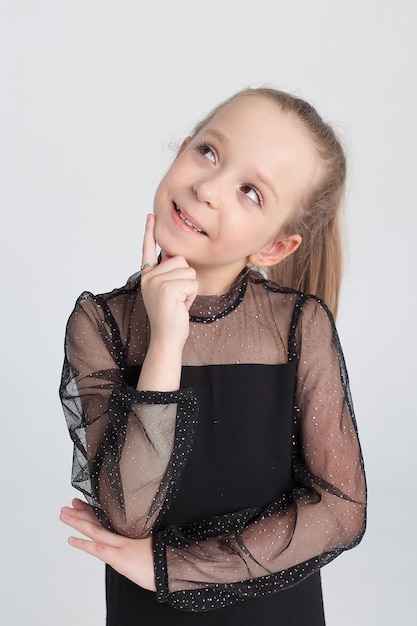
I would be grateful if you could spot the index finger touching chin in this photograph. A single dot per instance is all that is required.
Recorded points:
(149, 255)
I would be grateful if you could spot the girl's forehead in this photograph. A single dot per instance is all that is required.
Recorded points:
(260, 123)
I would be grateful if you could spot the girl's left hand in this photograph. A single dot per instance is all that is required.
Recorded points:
(133, 558)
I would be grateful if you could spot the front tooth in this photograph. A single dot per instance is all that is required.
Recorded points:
(191, 224)
(187, 221)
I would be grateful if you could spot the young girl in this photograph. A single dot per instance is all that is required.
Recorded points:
(215, 439)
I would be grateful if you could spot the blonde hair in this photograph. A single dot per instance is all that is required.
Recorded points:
(316, 266)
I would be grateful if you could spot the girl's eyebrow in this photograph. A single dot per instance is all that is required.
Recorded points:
(265, 181)
(258, 175)
(218, 135)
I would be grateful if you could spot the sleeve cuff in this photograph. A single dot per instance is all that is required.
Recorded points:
(181, 396)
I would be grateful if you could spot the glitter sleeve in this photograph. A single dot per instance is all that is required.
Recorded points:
(129, 447)
(222, 561)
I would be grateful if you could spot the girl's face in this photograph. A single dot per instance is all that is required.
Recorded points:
(225, 198)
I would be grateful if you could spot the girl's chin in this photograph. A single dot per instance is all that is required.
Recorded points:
(166, 241)
(169, 250)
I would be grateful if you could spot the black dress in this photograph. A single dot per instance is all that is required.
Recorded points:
(249, 477)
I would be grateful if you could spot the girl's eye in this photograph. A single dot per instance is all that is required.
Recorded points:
(253, 194)
(207, 151)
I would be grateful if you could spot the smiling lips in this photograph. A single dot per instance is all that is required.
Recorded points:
(188, 221)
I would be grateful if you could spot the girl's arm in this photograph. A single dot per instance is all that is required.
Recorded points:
(124, 437)
(291, 538)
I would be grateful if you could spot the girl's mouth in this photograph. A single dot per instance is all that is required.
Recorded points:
(188, 221)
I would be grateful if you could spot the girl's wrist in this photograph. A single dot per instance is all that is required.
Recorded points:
(161, 369)
(166, 347)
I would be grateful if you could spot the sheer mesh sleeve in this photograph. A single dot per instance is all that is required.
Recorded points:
(203, 566)
(129, 446)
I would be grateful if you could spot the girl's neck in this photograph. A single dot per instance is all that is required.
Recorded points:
(217, 280)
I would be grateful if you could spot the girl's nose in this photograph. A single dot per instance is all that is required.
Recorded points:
(207, 191)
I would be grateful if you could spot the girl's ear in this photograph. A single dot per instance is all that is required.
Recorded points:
(276, 252)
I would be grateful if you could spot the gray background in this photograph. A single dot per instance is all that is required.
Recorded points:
(92, 94)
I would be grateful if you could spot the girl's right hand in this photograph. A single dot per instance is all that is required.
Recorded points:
(168, 291)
